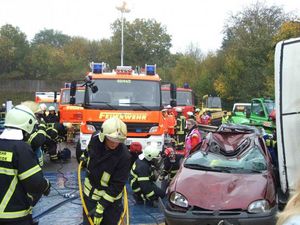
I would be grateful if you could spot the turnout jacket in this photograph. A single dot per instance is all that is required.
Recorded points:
(107, 172)
(22, 181)
(141, 179)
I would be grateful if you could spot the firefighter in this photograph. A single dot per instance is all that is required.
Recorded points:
(197, 115)
(180, 129)
(43, 107)
(55, 133)
(165, 120)
(225, 118)
(22, 181)
(38, 137)
(171, 121)
(52, 117)
(108, 166)
(141, 178)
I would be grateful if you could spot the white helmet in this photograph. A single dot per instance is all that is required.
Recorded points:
(150, 152)
(197, 110)
(178, 109)
(114, 129)
(43, 106)
(51, 108)
(189, 113)
(20, 117)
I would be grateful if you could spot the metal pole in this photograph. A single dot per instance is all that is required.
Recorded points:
(123, 9)
(122, 39)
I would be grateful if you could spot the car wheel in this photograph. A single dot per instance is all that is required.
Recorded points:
(78, 151)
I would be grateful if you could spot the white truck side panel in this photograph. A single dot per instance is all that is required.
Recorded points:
(287, 99)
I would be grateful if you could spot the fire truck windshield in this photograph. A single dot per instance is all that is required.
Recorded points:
(184, 98)
(125, 94)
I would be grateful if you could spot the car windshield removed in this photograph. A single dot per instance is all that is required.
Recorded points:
(252, 161)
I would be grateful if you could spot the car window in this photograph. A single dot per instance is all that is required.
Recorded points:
(252, 161)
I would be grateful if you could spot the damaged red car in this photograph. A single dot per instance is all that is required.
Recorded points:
(229, 180)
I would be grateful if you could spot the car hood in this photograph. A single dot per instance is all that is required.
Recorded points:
(220, 191)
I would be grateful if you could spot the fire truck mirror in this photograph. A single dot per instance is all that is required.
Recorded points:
(72, 100)
(94, 89)
(73, 88)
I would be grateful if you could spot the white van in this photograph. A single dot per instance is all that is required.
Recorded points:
(287, 99)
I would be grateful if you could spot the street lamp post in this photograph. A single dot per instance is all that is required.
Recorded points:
(123, 9)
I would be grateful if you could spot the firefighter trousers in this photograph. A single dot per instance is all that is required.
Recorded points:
(111, 214)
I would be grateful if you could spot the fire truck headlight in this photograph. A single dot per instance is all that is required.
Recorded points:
(153, 129)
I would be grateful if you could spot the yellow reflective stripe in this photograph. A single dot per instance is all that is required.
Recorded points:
(136, 190)
(134, 177)
(150, 194)
(132, 181)
(6, 156)
(105, 179)
(29, 172)
(97, 194)
(17, 214)
(109, 198)
(7, 171)
(143, 178)
(8, 194)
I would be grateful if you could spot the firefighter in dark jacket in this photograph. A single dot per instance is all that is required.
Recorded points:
(108, 166)
(38, 136)
(22, 181)
(142, 178)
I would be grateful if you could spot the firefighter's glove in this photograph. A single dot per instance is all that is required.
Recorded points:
(98, 214)
(47, 190)
(84, 158)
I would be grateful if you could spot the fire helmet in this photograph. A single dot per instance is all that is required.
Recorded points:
(51, 108)
(114, 129)
(20, 117)
(150, 152)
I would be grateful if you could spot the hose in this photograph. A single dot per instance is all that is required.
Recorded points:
(81, 194)
(52, 208)
(125, 211)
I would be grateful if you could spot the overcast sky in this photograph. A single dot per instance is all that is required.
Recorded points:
(191, 21)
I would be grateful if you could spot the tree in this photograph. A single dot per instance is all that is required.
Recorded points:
(50, 37)
(145, 42)
(13, 48)
(246, 47)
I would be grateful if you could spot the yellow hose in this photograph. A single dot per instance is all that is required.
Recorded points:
(125, 211)
(81, 195)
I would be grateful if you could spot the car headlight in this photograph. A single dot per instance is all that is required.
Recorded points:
(179, 200)
(259, 206)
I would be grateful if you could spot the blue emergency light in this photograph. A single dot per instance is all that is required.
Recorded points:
(186, 85)
(97, 67)
(150, 69)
